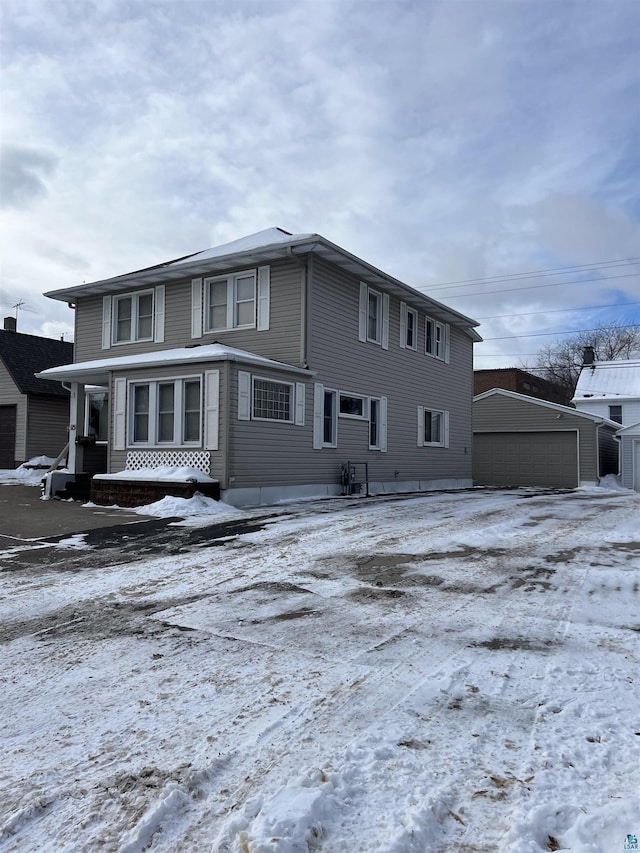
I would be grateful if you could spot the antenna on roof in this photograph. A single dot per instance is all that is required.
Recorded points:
(18, 306)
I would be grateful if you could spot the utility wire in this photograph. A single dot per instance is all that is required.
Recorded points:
(551, 334)
(558, 310)
(544, 272)
(538, 286)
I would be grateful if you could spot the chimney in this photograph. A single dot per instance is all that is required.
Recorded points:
(588, 356)
(9, 324)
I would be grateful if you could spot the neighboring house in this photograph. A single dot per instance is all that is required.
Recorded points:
(34, 413)
(520, 381)
(610, 389)
(269, 364)
(520, 441)
(629, 438)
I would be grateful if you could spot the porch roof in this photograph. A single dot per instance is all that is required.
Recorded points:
(98, 371)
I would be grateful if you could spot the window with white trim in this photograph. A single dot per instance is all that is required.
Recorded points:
(166, 412)
(353, 406)
(615, 414)
(133, 317)
(408, 327)
(436, 339)
(230, 301)
(377, 424)
(272, 401)
(433, 427)
(330, 419)
(374, 316)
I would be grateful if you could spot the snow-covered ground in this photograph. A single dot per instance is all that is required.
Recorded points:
(450, 672)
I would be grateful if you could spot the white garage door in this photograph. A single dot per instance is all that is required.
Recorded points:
(526, 459)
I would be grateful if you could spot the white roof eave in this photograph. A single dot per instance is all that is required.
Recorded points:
(296, 246)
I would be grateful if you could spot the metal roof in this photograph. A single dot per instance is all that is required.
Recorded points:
(265, 246)
(609, 379)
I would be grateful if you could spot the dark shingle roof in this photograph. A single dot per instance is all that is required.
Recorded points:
(24, 355)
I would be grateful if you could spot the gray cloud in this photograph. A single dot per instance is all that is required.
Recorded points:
(22, 175)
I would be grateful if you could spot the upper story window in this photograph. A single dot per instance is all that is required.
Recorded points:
(374, 316)
(239, 300)
(615, 414)
(133, 317)
(436, 339)
(408, 327)
(230, 302)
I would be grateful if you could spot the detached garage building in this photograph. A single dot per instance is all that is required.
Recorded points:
(521, 441)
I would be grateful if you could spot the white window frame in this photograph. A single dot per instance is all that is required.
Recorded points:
(292, 400)
(178, 412)
(382, 319)
(135, 319)
(96, 392)
(439, 339)
(381, 424)
(333, 393)
(232, 300)
(348, 395)
(443, 415)
(405, 313)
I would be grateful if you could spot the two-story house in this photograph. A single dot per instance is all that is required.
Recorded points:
(611, 389)
(268, 364)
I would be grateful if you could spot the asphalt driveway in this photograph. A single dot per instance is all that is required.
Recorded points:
(25, 516)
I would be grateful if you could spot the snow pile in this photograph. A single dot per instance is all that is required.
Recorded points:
(198, 509)
(28, 474)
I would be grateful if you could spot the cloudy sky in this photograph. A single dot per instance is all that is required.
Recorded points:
(455, 142)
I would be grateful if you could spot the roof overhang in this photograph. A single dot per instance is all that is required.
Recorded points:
(547, 404)
(298, 247)
(99, 371)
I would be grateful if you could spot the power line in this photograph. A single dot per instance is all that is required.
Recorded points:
(538, 286)
(558, 310)
(551, 334)
(544, 272)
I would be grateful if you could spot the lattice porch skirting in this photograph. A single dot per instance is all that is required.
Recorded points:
(198, 459)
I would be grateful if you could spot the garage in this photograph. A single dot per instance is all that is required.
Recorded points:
(7, 436)
(526, 459)
(524, 441)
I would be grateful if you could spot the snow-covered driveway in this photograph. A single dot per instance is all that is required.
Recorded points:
(449, 672)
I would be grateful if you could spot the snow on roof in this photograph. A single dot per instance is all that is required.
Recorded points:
(97, 371)
(604, 379)
(259, 240)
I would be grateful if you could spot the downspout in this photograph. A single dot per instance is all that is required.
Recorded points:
(304, 305)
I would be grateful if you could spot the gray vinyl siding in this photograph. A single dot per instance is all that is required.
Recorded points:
(406, 377)
(11, 396)
(47, 423)
(505, 414)
(270, 453)
(280, 342)
(629, 453)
